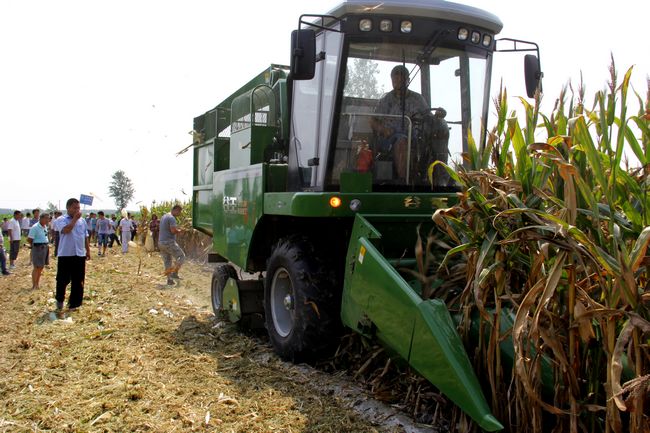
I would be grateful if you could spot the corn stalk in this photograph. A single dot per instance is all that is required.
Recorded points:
(556, 232)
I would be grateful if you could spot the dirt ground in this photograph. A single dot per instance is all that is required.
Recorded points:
(141, 356)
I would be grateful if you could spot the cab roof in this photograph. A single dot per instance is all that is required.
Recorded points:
(439, 9)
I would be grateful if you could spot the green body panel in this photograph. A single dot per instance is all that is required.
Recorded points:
(316, 204)
(377, 300)
(238, 206)
(214, 152)
(231, 302)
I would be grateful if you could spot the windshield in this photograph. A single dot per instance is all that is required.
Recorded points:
(401, 112)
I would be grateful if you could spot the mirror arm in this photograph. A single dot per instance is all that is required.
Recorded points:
(515, 49)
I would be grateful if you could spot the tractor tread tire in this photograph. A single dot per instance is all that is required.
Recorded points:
(222, 272)
(316, 301)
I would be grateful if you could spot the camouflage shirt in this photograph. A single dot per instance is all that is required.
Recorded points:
(391, 103)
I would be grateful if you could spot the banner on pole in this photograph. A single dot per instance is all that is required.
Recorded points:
(86, 199)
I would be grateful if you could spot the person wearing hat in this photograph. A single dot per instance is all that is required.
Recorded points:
(393, 130)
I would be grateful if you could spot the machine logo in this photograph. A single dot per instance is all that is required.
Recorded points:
(412, 202)
(233, 205)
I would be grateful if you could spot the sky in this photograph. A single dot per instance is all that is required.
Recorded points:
(91, 87)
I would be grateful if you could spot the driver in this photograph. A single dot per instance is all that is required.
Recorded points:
(392, 131)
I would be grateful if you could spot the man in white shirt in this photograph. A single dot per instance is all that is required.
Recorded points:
(74, 250)
(14, 238)
(25, 225)
(125, 233)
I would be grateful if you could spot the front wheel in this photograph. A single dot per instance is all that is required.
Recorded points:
(300, 301)
(222, 272)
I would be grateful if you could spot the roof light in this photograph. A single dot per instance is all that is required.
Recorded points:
(335, 201)
(487, 40)
(463, 34)
(386, 25)
(365, 25)
(406, 26)
(476, 37)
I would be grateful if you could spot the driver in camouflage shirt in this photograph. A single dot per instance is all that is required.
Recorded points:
(393, 130)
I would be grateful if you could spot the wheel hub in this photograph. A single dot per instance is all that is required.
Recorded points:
(288, 302)
(282, 302)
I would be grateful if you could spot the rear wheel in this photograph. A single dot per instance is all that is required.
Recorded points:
(301, 301)
(222, 272)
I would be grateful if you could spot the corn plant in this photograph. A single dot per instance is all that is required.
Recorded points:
(549, 242)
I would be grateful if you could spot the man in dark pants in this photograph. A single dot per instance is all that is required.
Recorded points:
(74, 250)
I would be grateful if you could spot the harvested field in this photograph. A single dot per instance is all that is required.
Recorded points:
(139, 356)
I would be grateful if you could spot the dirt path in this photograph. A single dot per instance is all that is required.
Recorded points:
(138, 356)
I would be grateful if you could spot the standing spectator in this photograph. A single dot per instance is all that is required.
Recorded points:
(103, 230)
(39, 241)
(111, 233)
(154, 226)
(134, 226)
(14, 238)
(88, 219)
(25, 224)
(93, 227)
(36, 218)
(74, 250)
(3, 256)
(5, 227)
(169, 249)
(55, 232)
(50, 227)
(125, 233)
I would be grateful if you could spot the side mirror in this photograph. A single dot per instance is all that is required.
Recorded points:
(303, 54)
(533, 74)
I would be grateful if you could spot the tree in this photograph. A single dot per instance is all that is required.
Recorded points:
(51, 207)
(121, 189)
(362, 80)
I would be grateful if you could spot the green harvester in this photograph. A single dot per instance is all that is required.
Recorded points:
(301, 193)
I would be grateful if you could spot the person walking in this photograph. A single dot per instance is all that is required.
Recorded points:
(38, 240)
(5, 227)
(36, 218)
(125, 233)
(25, 224)
(154, 226)
(172, 254)
(103, 230)
(14, 238)
(74, 250)
(55, 232)
(134, 227)
(112, 237)
(3, 255)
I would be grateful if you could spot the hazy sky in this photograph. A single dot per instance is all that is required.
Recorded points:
(90, 87)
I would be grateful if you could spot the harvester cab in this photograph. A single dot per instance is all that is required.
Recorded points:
(315, 181)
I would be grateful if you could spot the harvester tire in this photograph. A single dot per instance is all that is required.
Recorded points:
(300, 301)
(220, 276)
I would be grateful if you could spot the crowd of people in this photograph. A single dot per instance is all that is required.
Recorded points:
(71, 235)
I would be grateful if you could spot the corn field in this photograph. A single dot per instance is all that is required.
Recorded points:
(547, 245)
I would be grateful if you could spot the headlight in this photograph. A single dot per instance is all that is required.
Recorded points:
(406, 26)
(487, 40)
(365, 25)
(463, 34)
(386, 25)
(476, 37)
